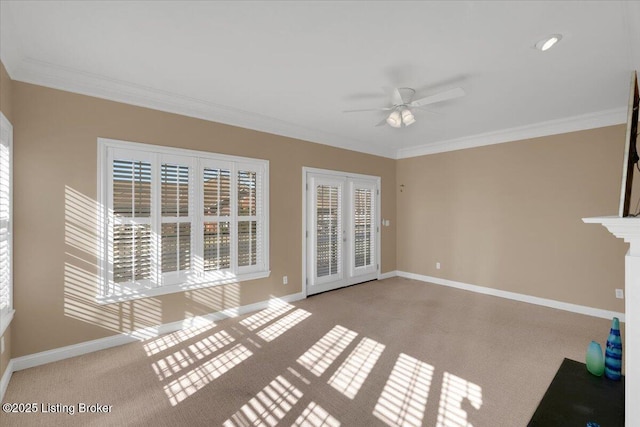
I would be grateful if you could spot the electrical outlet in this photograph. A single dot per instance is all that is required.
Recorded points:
(437, 265)
(619, 293)
(285, 280)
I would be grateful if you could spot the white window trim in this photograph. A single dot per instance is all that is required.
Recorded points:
(7, 315)
(209, 279)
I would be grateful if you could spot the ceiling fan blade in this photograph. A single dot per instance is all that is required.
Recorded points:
(426, 109)
(438, 97)
(396, 97)
(382, 122)
(368, 109)
(394, 94)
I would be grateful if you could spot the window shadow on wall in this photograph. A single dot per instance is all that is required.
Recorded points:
(83, 260)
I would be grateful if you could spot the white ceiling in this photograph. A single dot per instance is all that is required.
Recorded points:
(291, 68)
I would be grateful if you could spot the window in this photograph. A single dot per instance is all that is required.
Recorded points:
(6, 221)
(179, 219)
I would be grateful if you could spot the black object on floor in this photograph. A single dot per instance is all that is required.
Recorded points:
(575, 397)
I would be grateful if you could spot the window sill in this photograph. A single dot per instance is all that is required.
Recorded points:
(5, 321)
(183, 287)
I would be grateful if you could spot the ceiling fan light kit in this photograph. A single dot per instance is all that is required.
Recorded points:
(407, 117)
(401, 105)
(394, 119)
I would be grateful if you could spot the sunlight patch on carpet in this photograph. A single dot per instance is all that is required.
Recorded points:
(268, 407)
(167, 341)
(404, 397)
(278, 328)
(324, 352)
(355, 369)
(186, 357)
(276, 309)
(314, 415)
(454, 391)
(298, 375)
(189, 383)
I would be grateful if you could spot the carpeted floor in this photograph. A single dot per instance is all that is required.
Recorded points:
(390, 352)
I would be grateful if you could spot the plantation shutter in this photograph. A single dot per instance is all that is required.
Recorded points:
(363, 250)
(363, 227)
(250, 218)
(328, 205)
(132, 245)
(216, 188)
(176, 219)
(6, 217)
(246, 218)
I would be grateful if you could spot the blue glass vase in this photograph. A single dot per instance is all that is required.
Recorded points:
(595, 359)
(613, 353)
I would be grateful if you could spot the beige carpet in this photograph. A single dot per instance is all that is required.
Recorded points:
(391, 352)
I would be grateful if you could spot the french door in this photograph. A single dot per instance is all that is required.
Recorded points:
(342, 232)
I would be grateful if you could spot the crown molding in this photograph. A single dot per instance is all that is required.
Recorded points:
(34, 71)
(552, 127)
(43, 73)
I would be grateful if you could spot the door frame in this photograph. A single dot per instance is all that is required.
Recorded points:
(333, 173)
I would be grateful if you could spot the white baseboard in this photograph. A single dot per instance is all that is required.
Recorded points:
(4, 381)
(37, 359)
(387, 275)
(590, 311)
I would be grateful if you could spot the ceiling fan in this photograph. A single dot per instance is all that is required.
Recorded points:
(402, 105)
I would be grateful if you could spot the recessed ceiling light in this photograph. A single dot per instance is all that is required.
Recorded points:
(548, 42)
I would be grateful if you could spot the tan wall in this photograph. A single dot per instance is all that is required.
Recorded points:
(55, 204)
(505, 216)
(6, 93)
(6, 99)
(508, 216)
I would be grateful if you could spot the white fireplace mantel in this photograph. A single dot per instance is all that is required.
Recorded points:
(623, 228)
(629, 230)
